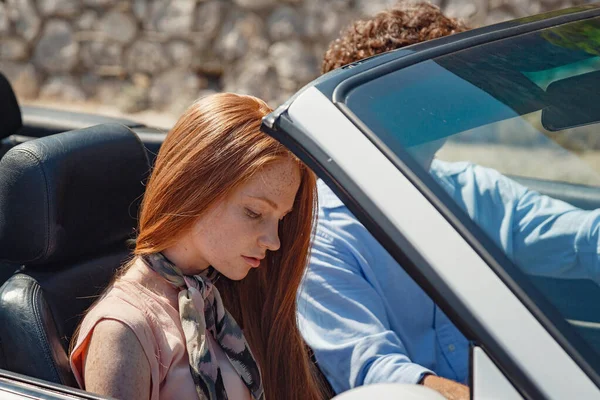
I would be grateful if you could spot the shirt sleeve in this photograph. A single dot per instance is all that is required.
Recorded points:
(343, 319)
(551, 237)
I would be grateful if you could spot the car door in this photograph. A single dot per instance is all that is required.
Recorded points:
(16, 386)
(431, 250)
(351, 133)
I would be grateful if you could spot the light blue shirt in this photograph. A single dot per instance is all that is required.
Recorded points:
(368, 321)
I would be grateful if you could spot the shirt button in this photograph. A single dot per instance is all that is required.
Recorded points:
(451, 347)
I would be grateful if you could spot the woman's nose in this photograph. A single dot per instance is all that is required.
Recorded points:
(270, 239)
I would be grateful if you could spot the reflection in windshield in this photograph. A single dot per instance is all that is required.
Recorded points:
(582, 36)
(544, 78)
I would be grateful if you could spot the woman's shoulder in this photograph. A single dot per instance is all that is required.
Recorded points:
(143, 314)
(117, 320)
(116, 363)
(133, 304)
(121, 302)
(129, 301)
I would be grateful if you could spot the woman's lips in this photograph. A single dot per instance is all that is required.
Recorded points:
(252, 261)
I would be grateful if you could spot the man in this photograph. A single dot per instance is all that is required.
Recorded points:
(365, 318)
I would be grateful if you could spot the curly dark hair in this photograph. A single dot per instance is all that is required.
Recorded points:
(404, 24)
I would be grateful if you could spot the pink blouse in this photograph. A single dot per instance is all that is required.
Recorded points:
(157, 326)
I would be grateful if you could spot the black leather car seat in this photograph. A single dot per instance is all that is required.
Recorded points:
(68, 204)
(10, 115)
(10, 120)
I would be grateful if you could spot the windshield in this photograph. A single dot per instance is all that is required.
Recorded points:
(509, 131)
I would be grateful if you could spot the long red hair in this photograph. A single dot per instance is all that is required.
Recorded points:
(214, 147)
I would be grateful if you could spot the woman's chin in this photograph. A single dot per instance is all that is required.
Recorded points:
(236, 275)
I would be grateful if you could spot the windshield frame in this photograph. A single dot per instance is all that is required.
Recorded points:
(501, 265)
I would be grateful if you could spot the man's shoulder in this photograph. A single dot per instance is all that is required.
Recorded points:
(464, 171)
(336, 222)
(327, 199)
(450, 168)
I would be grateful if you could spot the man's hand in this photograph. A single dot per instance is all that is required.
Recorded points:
(449, 389)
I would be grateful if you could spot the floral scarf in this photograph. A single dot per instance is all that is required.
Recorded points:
(201, 311)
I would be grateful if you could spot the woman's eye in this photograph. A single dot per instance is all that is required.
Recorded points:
(252, 214)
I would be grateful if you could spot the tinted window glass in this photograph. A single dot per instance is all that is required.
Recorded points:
(509, 130)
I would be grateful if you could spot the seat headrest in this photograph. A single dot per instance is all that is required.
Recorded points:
(11, 120)
(70, 194)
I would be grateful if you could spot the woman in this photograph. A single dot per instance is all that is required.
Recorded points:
(226, 208)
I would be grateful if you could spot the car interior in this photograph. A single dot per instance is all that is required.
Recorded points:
(70, 186)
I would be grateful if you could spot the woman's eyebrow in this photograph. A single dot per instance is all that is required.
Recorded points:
(269, 202)
(266, 200)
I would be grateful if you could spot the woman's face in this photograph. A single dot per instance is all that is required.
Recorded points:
(235, 234)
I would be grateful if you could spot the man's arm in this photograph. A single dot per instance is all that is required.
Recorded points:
(553, 238)
(343, 319)
(542, 235)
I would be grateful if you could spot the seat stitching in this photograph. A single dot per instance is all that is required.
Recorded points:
(42, 332)
(34, 157)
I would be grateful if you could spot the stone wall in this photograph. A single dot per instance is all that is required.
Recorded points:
(159, 54)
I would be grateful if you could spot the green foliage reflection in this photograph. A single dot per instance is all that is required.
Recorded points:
(583, 36)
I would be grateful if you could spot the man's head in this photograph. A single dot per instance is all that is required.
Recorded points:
(403, 25)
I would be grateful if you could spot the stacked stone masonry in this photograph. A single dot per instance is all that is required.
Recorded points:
(159, 54)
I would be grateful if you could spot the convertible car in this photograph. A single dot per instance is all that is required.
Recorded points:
(520, 100)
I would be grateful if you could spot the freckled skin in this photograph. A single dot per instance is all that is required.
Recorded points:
(240, 225)
(116, 365)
